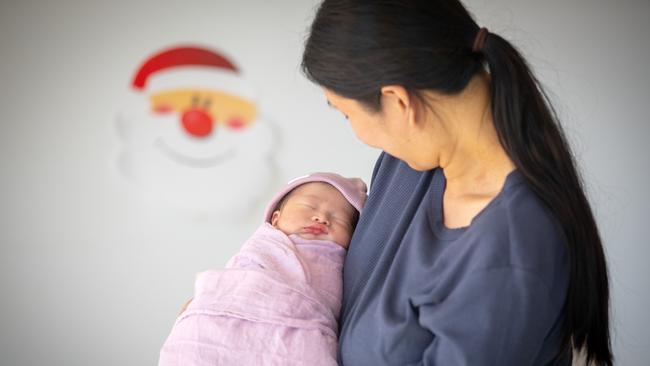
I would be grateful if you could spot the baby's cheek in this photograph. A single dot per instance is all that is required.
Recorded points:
(345, 237)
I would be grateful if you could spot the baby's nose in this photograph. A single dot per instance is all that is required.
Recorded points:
(320, 218)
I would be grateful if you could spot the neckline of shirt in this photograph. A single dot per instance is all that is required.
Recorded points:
(439, 229)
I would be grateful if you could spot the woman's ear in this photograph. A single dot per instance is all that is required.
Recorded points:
(399, 103)
(275, 217)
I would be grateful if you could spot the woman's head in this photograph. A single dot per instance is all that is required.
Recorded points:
(356, 49)
(385, 63)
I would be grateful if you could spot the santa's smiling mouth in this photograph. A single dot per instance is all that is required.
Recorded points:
(207, 162)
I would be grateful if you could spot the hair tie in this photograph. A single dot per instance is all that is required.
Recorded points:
(479, 41)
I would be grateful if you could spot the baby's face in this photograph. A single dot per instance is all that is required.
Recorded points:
(316, 211)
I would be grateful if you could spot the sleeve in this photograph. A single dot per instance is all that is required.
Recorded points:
(498, 316)
(375, 170)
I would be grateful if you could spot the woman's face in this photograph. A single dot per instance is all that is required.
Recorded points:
(369, 127)
(366, 125)
(388, 129)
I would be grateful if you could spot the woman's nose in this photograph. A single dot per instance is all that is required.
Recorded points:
(197, 122)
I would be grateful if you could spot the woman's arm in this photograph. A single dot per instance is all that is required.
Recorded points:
(498, 316)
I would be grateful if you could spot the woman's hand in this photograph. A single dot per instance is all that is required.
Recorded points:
(185, 305)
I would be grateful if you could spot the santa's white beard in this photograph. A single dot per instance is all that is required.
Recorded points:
(224, 173)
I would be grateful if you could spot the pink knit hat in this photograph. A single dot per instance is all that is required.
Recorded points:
(353, 189)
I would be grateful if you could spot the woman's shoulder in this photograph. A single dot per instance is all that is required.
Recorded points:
(524, 213)
(391, 173)
(519, 231)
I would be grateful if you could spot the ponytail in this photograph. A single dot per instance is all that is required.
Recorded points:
(529, 131)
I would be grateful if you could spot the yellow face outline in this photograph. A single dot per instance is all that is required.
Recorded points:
(224, 108)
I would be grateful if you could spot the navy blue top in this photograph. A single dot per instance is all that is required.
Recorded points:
(418, 293)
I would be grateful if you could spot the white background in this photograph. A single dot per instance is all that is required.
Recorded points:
(90, 276)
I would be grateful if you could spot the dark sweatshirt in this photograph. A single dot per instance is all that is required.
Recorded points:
(418, 293)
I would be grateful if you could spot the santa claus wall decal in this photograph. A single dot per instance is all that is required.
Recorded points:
(192, 135)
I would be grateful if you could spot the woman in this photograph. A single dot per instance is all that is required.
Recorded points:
(477, 245)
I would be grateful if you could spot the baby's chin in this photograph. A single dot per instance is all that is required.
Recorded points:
(310, 236)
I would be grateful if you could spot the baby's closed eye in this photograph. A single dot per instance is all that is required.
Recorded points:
(307, 205)
(342, 220)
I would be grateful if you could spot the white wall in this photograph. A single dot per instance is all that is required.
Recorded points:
(89, 276)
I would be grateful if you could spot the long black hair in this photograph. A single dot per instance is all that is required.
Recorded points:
(357, 46)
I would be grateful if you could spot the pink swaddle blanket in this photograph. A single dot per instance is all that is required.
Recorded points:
(277, 302)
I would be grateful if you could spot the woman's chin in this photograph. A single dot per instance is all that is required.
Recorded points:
(419, 166)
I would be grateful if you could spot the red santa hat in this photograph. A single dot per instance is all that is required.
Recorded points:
(190, 67)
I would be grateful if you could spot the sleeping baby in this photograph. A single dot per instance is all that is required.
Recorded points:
(278, 299)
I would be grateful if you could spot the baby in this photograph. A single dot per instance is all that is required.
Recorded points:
(277, 301)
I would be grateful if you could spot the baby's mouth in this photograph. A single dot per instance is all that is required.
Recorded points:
(315, 229)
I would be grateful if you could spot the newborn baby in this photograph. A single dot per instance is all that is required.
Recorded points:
(277, 301)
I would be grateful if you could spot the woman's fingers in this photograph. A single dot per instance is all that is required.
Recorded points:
(185, 306)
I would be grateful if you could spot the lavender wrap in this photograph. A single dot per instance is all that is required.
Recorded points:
(277, 302)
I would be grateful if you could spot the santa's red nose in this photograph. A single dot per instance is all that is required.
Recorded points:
(197, 122)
